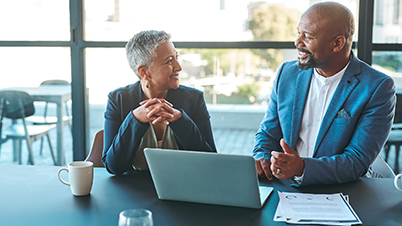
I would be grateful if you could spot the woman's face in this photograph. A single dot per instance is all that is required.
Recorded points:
(164, 73)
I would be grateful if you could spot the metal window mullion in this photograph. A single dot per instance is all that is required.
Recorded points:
(78, 82)
(365, 27)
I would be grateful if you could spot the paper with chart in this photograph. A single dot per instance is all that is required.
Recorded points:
(328, 209)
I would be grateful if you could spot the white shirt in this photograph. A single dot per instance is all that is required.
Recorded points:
(320, 94)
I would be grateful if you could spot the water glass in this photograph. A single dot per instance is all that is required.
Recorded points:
(135, 217)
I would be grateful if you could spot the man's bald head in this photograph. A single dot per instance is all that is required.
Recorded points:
(335, 17)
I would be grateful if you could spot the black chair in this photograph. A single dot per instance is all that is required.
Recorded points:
(51, 120)
(17, 105)
(395, 137)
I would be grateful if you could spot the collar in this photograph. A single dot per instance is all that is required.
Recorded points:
(328, 80)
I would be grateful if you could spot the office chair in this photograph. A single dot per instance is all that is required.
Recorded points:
(51, 120)
(17, 105)
(95, 155)
(380, 169)
(395, 136)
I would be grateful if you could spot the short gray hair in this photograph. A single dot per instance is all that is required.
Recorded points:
(141, 49)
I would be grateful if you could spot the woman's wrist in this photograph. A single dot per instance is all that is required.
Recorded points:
(136, 115)
(176, 115)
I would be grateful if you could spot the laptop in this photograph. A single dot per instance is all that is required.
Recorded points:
(208, 178)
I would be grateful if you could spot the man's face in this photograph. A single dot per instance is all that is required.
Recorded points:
(313, 42)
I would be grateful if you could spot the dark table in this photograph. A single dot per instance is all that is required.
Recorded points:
(32, 195)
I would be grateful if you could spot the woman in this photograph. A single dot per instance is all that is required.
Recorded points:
(156, 111)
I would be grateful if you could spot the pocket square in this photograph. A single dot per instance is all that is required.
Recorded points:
(342, 114)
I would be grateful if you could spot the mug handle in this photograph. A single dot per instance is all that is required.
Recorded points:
(61, 180)
(396, 182)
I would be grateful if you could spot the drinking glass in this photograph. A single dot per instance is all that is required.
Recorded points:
(135, 217)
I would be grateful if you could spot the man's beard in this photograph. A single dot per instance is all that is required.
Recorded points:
(311, 62)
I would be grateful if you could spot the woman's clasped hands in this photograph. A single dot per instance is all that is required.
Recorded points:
(156, 110)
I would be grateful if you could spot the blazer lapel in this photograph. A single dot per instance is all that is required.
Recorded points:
(345, 87)
(300, 96)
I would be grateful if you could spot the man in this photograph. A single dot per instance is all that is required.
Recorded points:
(329, 114)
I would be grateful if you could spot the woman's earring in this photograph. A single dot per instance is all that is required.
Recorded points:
(147, 83)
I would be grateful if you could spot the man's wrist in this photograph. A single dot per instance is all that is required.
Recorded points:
(259, 155)
(302, 169)
(299, 179)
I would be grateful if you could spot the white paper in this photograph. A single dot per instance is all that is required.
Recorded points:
(279, 213)
(328, 209)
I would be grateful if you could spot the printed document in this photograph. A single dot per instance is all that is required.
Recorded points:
(328, 209)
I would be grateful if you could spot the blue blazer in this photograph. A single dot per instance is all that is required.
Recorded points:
(123, 133)
(354, 128)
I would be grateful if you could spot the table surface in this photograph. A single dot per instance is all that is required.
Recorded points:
(32, 195)
(46, 92)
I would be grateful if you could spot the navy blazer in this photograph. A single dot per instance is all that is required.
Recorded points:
(123, 133)
(354, 128)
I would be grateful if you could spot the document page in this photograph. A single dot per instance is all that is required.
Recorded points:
(328, 209)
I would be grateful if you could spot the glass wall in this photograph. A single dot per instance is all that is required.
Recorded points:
(28, 67)
(34, 20)
(236, 80)
(194, 21)
(387, 29)
(227, 76)
(232, 79)
(387, 21)
(390, 63)
(236, 84)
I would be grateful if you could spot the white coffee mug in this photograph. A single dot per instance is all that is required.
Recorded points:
(396, 182)
(80, 176)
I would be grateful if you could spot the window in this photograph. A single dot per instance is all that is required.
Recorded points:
(34, 20)
(379, 13)
(243, 42)
(389, 63)
(195, 21)
(395, 15)
(29, 67)
(388, 26)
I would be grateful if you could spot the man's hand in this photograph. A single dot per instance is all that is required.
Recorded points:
(263, 168)
(288, 164)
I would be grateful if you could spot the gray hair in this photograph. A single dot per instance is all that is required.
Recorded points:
(141, 49)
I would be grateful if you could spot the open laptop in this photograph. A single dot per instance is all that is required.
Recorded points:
(202, 177)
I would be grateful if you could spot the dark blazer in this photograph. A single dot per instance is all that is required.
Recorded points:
(354, 128)
(123, 133)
